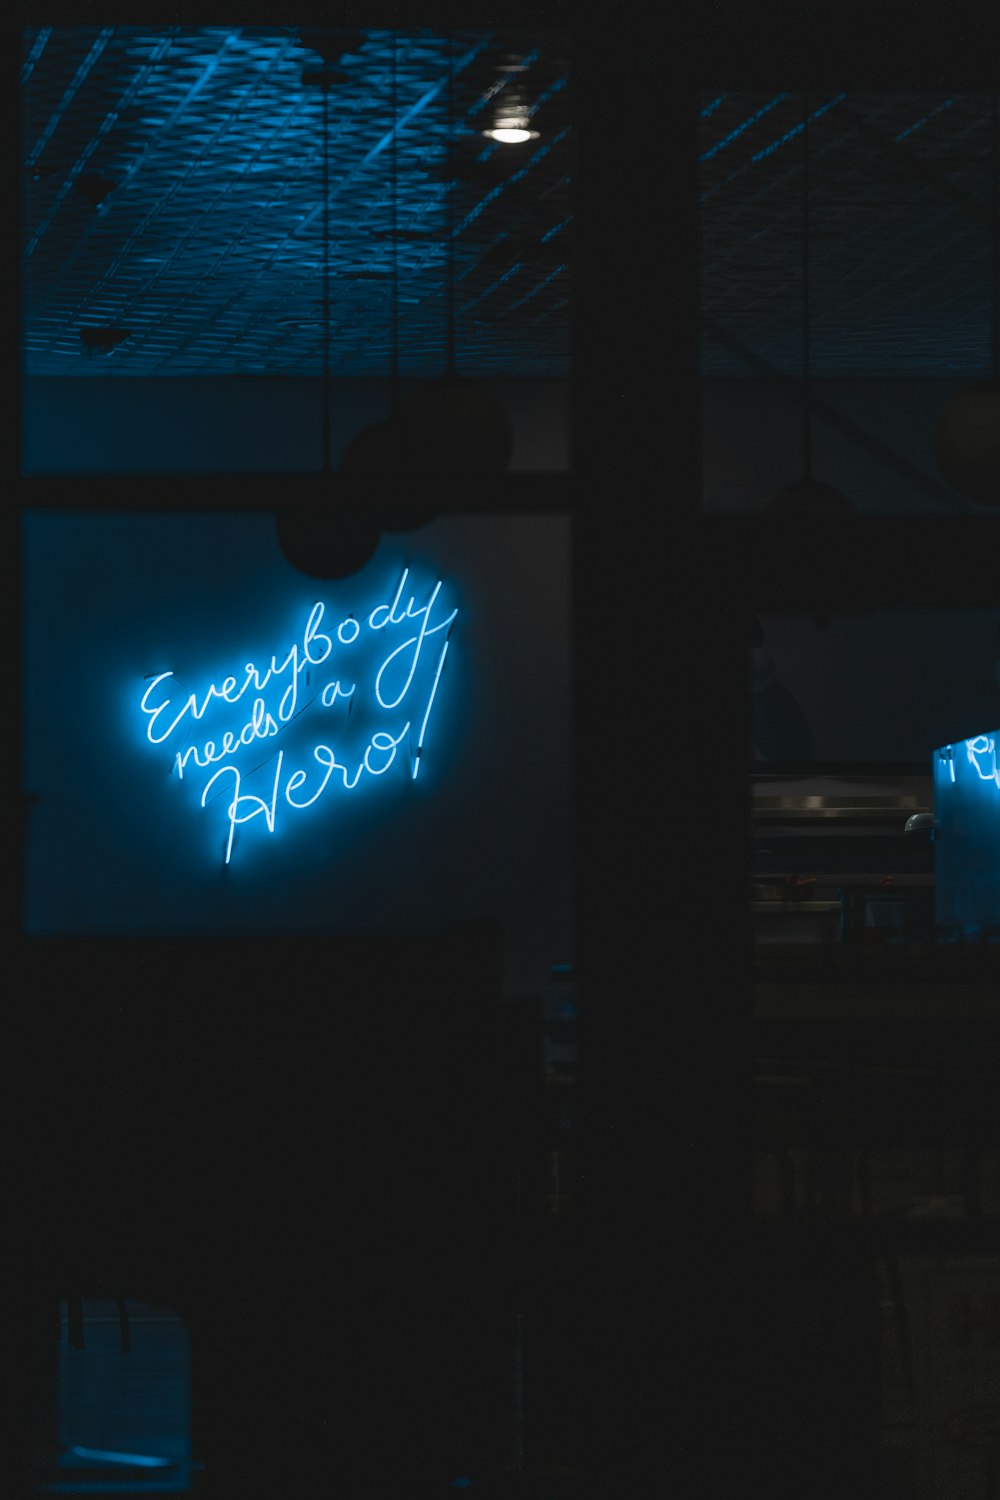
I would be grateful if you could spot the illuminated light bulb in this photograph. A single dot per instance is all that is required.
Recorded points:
(510, 135)
(512, 131)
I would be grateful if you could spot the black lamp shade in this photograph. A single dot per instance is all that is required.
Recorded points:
(377, 460)
(376, 452)
(323, 544)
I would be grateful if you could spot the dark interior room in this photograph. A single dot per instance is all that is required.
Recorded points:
(564, 1064)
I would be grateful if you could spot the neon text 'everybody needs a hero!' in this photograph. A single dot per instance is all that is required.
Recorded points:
(388, 664)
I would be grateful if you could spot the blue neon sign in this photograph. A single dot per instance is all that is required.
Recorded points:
(388, 664)
(967, 836)
(980, 753)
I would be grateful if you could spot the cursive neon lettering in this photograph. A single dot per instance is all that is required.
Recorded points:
(154, 713)
(338, 692)
(336, 766)
(190, 704)
(298, 778)
(260, 805)
(181, 759)
(312, 633)
(261, 724)
(390, 616)
(427, 711)
(417, 642)
(303, 772)
(260, 727)
(384, 743)
(984, 745)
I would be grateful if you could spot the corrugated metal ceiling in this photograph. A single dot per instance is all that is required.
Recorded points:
(900, 192)
(173, 191)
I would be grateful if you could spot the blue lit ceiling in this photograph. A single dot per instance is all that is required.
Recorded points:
(900, 237)
(173, 194)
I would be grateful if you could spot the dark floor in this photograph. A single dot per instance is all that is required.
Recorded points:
(114, 1406)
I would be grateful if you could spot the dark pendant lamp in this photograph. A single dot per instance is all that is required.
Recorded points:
(327, 540)
(808, 495)
(968, 434)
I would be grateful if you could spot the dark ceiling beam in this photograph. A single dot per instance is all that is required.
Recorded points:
(316, 493)
(791, 386)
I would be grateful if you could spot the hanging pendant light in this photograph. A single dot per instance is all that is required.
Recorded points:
(451, 426)
(968, 435)
(324, 541)
(510, 124)
(808, 495)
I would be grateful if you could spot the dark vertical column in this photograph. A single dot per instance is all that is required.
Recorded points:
(649, 702)
(38, 1311)
(812, 1368)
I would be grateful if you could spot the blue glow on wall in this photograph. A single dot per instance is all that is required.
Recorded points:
(967, 836)
(416, 790)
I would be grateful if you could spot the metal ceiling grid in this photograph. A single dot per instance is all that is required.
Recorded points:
(900, 233)
(173, 190)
